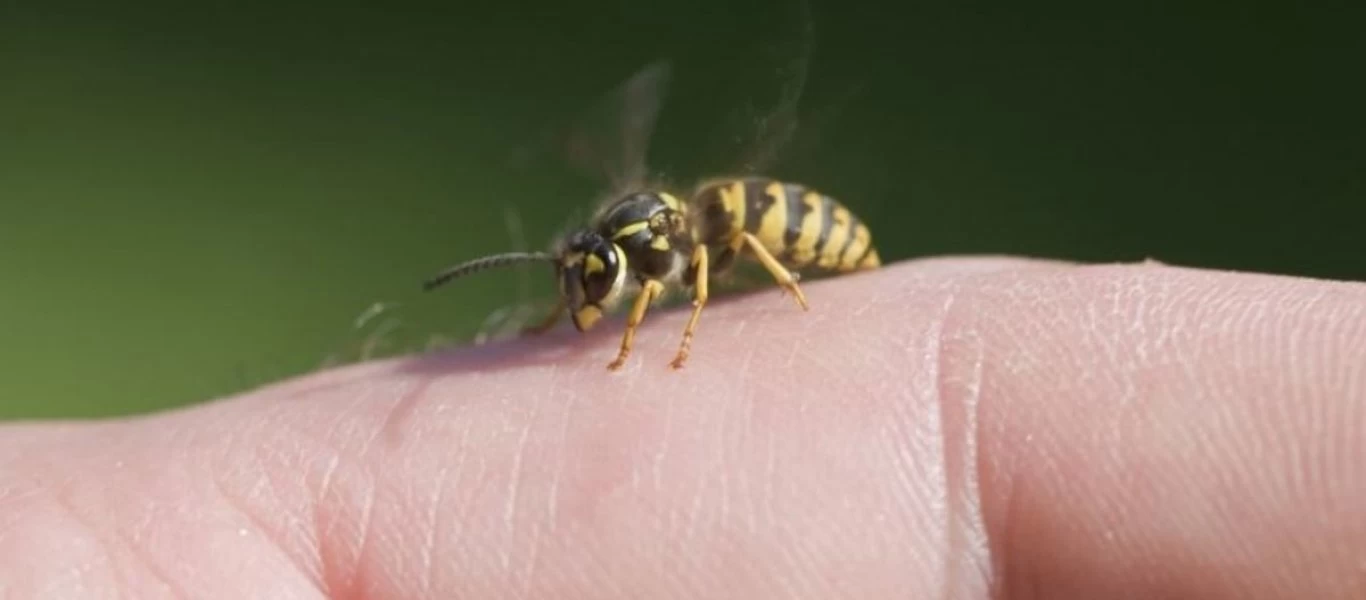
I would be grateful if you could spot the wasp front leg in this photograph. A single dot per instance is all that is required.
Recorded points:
(550, 320)
(650, 290)
(699, 300)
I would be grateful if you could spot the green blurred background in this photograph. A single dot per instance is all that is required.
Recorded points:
(199, 199)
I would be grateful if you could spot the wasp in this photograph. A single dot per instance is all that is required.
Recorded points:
(645, 243)
(646, 240)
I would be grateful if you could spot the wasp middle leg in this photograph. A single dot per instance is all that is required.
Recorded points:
(700, 267)
(650, 290)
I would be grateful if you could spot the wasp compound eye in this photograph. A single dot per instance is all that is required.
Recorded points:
(600, 269)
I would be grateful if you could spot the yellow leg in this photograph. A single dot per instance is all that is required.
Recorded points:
(550, 320)
(651, 290)
(785, 277)
(699, 299)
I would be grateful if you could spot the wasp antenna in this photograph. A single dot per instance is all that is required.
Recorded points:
(479, 264)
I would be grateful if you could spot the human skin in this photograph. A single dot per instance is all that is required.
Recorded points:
(948, 428)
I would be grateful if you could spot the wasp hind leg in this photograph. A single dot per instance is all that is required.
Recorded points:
(699, 300)
(649, 291)
(787, 279)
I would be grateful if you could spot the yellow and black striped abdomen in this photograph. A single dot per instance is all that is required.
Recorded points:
(802, 228)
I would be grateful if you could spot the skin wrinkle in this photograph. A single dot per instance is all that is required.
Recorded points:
(433, 519)
(1004, 493)
(461, 511)
(294, 510)
(770, 496)
(746, 429)
(957, 372)
(241, 505)
(407, 399)
(977, 533)
(516, 482)
(466, 449)
(933, 358)
(240, 474)
(131, 535)
(325, 487)
(992, 476)
(336, 501)
(116, 543)
(142, 515)
(660, 453)
(398, 412)
(481, 503)
(558, 473)
(910, 423)
(116, 573)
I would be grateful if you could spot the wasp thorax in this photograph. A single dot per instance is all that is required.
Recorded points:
(592, 274)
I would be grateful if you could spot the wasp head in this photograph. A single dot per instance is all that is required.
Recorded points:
(592, 273)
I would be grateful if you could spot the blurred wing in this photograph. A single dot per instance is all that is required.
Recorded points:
(775, 129)
(611, 140)
(757, 133)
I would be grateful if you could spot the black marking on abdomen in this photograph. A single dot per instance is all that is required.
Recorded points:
(796, 214)
(853, 226)
(757, 203)
(827, 222)
(867, 249)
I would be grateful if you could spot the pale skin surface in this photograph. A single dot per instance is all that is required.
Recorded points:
(956, 428)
